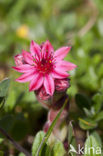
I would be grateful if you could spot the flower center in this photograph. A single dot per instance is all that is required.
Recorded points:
(45, 65)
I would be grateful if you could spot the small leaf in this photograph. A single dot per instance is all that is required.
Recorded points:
(82, 101)
(37, 141)
(87, 123)
(92, 147)
(58, 149)
(99, 116)
(11, 100)
(4, 85)
(71, 138)
(21, 154)
(96, 135)
(97, 100)
(87, 112)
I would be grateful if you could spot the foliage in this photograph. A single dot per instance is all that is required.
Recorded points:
(63, 23)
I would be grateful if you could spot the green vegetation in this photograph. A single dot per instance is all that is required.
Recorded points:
(64, 22)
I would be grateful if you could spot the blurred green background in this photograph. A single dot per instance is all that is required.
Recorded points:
(78, 23)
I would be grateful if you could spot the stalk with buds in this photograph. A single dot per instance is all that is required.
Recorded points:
(47, 74)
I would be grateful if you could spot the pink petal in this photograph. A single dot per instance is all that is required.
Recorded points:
(24, 68)
(61, 52)
(59, 74)
(27, 57)
(66, 66)
(26, 77)
(35, 49)
(47, 49)
(36, 82)
(49, 84)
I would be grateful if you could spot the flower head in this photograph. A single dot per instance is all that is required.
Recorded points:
(42, 66)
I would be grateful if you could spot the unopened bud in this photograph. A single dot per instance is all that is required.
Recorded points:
(19, 60)
(43, 97)
(62, 84)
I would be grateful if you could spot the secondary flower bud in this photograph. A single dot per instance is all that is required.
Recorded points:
(18, 59)
(43, 97)
(62, 84)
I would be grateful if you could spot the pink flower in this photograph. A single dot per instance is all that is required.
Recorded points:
(42, 66)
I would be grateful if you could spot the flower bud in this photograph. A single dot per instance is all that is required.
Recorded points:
(62, 84)
(19, 60)
(42, 94)
(43, 97)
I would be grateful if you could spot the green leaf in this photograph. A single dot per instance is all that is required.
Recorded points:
(4, 85)
(50, 129)
(37, 141)
(87, 123)
(82, 101)
(92, 147)
(11, 100)
(21, 154)
(99, 116)
(46, 151)
(87, 112)
(71, 138)
(58, 149)
(96, 135)
(97, 100)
